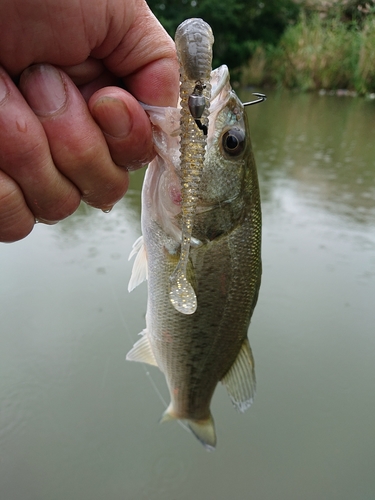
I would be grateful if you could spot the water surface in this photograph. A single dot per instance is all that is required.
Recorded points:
(78, 422)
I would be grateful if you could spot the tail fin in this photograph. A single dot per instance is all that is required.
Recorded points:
(203, 430)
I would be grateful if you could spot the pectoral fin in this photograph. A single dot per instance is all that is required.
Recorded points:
(240, 379)
(139, 272)
(142, 352)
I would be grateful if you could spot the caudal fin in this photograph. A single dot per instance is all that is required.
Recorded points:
(203, 430)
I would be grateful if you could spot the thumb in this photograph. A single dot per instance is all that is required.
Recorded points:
(146, 60)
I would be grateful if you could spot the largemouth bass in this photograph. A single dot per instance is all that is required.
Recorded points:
(197, 350)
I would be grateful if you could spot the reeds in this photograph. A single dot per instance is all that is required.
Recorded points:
(319, 52)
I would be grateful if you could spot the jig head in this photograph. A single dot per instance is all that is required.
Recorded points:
(197, 105)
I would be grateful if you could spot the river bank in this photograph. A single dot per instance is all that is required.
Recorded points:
(326, 49)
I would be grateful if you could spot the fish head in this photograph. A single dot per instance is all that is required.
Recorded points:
(228, 144)
(226, 163)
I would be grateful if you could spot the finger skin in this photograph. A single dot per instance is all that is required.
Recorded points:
(125, 36)
(16, 220)
(126, 127)
(49, 161)
(146, 60)
(77, 145)
(25, 158)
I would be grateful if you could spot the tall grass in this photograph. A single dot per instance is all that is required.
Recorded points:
(366, 60)
(319, 52)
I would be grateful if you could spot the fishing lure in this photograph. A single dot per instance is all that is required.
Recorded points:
(194, 40)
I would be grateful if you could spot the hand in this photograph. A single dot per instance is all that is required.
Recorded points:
(66, 133)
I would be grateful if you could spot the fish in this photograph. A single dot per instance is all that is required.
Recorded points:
(196, 351)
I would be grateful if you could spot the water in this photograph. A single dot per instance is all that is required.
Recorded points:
(78, 422)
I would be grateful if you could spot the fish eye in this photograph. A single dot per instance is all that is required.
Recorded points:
(234, 141)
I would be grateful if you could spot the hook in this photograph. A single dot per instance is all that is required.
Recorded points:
(262, 97)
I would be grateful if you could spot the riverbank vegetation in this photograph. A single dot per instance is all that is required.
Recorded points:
(302, 44)
(332, 48)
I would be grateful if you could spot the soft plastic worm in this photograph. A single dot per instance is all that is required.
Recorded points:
(194, 41)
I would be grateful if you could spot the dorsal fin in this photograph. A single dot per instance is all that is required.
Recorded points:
(139, 271)
(240, 378)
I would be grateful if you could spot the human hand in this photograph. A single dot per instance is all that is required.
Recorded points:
(66, 133)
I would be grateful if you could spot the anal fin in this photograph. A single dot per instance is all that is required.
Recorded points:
(142, 351)
(240, 378)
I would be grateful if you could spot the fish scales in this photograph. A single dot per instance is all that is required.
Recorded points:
(196, 351)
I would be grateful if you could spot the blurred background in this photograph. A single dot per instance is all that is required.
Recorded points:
(300, 44)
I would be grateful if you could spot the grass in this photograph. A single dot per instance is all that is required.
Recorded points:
(318, 53)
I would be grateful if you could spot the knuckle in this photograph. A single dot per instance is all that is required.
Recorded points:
(107, 193)
(16, 220)
(132, 154)
(59, 208)
(22, 156)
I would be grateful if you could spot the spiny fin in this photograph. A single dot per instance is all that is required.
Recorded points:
(139, 272)
(240, 378)
(203, 430)
(141, 351)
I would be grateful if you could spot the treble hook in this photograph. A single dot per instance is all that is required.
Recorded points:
(262, 97)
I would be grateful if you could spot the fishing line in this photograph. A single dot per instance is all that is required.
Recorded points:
(115, 297)
(147, 372)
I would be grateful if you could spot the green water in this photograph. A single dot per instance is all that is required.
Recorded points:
(77, 422)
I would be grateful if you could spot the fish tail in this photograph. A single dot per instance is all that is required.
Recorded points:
(203, 430)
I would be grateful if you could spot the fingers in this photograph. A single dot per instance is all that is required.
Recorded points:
(146, 60)
(77, 145)
(125, 125)
(53, 152)
(16, 220)
(55, 148)
(30, 184)
(90, 76)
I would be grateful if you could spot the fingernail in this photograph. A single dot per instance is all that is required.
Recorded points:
(112, 116)
(44, 89)
(3, 90)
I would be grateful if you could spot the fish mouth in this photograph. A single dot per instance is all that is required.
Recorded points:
(221, 89)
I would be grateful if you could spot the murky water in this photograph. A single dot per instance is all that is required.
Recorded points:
(78, 422)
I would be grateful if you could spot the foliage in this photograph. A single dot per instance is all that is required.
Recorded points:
(347, 10)
(328, 48)
(366, 62)
(236, 24)
(304, 44)
(319, 53)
